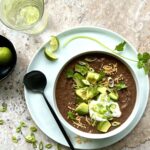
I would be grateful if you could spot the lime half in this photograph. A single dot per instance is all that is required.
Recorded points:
(5, 55)
(54, 43)
(49, 54)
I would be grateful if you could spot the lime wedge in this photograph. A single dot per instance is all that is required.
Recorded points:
(49, 54)
(54, 43)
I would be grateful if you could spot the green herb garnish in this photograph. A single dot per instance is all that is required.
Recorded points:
(120, 46)
(48, 146)
(3, 108)
(121, 85)
(33, 129)
(71, 115)
(1, 122)
(69, 73)
(144, 62)
(41, 147)
(14, 139)
(102, 75)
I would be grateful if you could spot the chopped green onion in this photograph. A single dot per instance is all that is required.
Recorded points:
(90, 59)
(115, 123)
(58, 146)
(1, 122)
(34, 145)
(30, 139)
(48, 146)
(14, 139)
(18, 129)
(83, 63)
(112, 107)
(3, 108)
(23, 124)
(33, 129)
(41, 147)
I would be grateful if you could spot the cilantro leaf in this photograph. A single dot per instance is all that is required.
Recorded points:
(102, 75)
(144, 62)
(120, 46)
(71, 115)
(69, 73)
(121, 85)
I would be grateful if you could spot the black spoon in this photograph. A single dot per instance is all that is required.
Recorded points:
(36, 82)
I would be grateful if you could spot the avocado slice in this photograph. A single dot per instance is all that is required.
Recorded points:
(102, 89)
(82, 109)
(87, 93)
(103, 126)
(114, 96)
(92, 77)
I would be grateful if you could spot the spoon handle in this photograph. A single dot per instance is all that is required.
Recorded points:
(59, 123)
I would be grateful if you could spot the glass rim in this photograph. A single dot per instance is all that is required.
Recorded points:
(23, 29)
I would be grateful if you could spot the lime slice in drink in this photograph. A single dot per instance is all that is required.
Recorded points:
(54, 43)
(30, 14)
(5, 55)
(49, 54)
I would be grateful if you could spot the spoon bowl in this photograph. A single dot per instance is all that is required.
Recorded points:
(35, 81)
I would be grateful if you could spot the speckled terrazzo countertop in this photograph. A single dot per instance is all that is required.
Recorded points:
(129, 18)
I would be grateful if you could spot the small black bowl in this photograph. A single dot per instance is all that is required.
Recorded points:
(7, 69)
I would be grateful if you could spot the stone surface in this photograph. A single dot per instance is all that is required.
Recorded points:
(129, 18)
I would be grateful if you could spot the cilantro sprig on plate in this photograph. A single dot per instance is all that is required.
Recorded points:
(143, 59)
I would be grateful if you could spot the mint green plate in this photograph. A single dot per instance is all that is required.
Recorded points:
(36, 105)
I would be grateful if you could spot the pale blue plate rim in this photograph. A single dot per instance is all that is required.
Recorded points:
(136, 120)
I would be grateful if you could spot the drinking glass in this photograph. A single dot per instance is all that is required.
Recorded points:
(24, 15)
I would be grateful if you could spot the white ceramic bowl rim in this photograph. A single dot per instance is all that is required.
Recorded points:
(115, 131)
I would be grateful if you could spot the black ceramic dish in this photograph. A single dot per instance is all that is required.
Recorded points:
(6, 70)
